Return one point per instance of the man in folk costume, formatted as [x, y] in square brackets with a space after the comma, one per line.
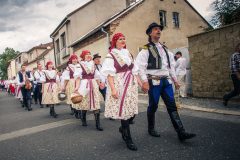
[24, 79]
[157, 72]
[87, 85]
[97, 61]
[60, 80]
[38, 75]
[50, 88]
[181, 71]
[122, 93]
[70, 83]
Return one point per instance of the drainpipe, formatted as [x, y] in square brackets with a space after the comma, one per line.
[54, 53]
[108, 38]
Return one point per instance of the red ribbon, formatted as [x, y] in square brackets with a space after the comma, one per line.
[50, 86]
[126, 84]
[91, 93]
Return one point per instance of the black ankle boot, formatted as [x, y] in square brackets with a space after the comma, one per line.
[126, 135]
[225, 101]
[54, 114]
[51, 111]
[182, 135]
[72, 110]
[84, 121]
[97, 119]
[131, 120]
[77, 114]
[151, 125]
[29, 103]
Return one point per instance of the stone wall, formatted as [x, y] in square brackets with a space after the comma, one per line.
[210, 56]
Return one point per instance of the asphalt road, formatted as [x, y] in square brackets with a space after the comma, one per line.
[36, 136]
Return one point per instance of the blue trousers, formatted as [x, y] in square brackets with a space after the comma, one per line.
[103, 92]
[38, 93]
[165, 90]
[26, 95]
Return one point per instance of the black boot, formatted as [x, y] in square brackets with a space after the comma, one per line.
[131, 120]
[151, 125]
[177, 124]
[54, 114]
[78, 114]
[29, 103]
[22, 104]
[84, 121]
[121, 131]
[51, 111]
[182, 135]
[97, 119]
[126, 135]
[225, 101]
[72, 110]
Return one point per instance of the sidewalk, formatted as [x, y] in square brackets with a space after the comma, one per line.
[203, 104]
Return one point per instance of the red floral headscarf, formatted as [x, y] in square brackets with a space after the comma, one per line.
[72, 57]
[114, 40]
[84, 53]
[48, 63]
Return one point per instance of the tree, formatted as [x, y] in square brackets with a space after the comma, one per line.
[5, 57]
[224, 12]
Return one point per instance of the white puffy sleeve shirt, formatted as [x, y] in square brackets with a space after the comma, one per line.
[108, 64]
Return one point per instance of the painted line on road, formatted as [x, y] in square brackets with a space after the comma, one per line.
[36, 129]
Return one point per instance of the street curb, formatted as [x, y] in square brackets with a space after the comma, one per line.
[202, 109]
[219, 111]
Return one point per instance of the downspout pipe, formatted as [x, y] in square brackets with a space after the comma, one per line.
[56, 65]
[108, 38]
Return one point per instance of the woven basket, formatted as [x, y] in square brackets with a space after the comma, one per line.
[76, 98]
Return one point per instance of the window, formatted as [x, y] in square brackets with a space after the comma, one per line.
[176, 19]
[63, 40]
[163, 20]
[19, 59]
[57, 46]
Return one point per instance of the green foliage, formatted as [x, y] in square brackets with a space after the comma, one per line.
[5, 57]
[223, 12]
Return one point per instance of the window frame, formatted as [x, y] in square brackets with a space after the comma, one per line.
[163, 17]
[176, 19]
[63, 40]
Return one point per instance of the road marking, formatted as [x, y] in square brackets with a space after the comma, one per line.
[36, 129]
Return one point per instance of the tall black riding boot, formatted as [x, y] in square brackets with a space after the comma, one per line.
[177, 123]
[29, 103]
[84, 120]
[54, 114]
[127, 135]
[151, 125]
[97, 119]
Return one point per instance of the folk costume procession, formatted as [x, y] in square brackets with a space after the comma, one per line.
[85, 82]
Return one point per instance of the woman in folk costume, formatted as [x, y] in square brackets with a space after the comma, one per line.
[50, 88]
[122, 93]
[69, 81]
[87, 85]
[18, 94]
